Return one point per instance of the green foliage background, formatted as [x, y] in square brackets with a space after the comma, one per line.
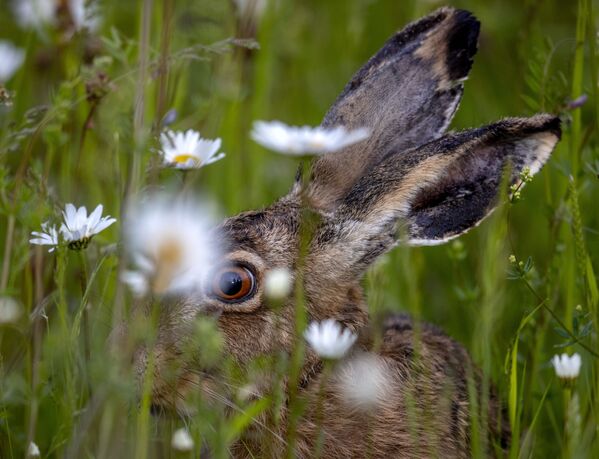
[59, 143]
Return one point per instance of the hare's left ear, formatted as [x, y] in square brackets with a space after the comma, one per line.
[406, 95]
[432, 193]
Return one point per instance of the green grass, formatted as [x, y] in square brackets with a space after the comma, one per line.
[62, 386]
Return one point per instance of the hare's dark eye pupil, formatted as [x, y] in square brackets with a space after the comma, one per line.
[230, 283]
[233, 284]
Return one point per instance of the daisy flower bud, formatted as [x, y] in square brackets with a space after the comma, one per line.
[328, 339]
[567, 367]
[278, 283]
[33, 450]
[182, 441]
[10, 311]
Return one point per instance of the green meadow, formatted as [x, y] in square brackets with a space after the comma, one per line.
[79, 123]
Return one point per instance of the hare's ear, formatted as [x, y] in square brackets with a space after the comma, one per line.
[406, 95]
[432, 193]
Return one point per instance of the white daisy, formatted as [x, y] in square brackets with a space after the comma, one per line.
[167, 240]
[364, 381]
[11, 58]
[35, 13]
[328, 339]
[48, 236]
[78, 229]
[182, 441]
[277, 283]
[187, 150]
[294, 140]
[567, 367]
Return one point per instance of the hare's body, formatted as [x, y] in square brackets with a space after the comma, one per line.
[425, 414]
[407, 183]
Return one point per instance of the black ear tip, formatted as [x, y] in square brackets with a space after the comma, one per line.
[462, 43]
[553, 124]
[543, 122]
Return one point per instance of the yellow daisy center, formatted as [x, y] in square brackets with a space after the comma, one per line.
[168, 260]
[184, 157]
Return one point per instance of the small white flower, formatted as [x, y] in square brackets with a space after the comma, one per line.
[303, 140]
[48, 236]
[277, 283]
[35, 13]
[11, 58]
[328, 339]
[78, 229]
[137, 282]
[84, 14]
[567, 367]
[10, 311]
[364, 381]
[33, 450]
[187, 150]
[168, 242]
[182, 441]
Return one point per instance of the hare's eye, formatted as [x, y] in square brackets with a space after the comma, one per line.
[233, 284]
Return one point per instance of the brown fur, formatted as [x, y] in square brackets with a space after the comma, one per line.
[366, 199]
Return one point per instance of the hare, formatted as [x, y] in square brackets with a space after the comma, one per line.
[408, 183]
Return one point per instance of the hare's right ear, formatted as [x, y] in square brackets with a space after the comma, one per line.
[406, 95]
[428, 195]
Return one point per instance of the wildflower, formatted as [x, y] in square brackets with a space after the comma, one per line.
[277, 283]
[137, 282]
[364, 381]
[295, 140]
[11, 58]
[578, 102]
[169, 117]
[526, 175]
[512, 258]
[78, 229]
[33, 450]
[169, 245]
[567, 367]
[48, 236]
[10, 311]
[187, 150]
[84, 15]
[182, 441]
[328, 339]
[34, 13]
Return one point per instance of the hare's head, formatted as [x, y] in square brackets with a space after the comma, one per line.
[407, 183]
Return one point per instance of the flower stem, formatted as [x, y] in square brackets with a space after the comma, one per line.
[307, 223]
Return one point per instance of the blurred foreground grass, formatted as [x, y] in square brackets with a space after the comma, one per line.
[86, 107]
